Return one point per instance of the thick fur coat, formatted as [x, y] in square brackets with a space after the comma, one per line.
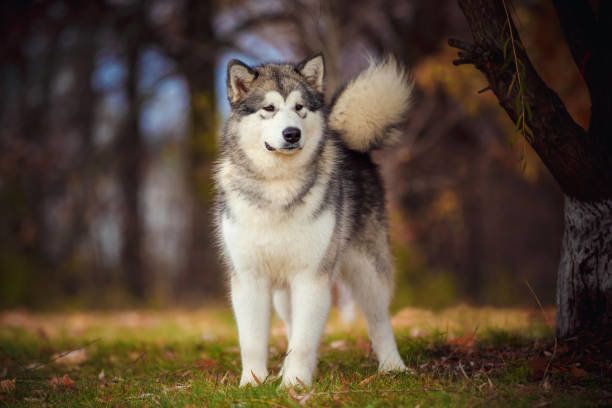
[301, 206]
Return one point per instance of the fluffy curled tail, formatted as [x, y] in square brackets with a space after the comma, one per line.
[378, 99]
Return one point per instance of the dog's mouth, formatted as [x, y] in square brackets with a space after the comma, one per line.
[288, 148]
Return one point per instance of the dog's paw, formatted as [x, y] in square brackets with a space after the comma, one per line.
[250, 377]
[296, 378]
[392, 366]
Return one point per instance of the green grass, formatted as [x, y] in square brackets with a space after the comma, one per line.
[190, 358]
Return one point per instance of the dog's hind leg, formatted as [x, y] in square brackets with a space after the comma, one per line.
[370, 282]
[282, 306]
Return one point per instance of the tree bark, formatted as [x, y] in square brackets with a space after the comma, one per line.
[202, 272]
[584, 281]
[580, 161]
[131, 150]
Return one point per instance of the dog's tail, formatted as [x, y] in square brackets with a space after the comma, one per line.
[365, 111]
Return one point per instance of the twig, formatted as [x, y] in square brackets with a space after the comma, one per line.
[25, 369]
[537, 299]
[463, 371]
[518, 74]
[60, 355]
[140, 357]
[552, 357]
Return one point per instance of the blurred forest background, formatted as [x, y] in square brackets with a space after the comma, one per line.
[109, 118]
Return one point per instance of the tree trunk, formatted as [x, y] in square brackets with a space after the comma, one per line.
[131, 152]
[202, 271]
[580, 161]
[584, 281]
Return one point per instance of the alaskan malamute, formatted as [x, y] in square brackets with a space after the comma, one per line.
[301, 206]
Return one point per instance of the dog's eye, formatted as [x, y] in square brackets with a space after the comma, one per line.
[269, 108]
[298, 107]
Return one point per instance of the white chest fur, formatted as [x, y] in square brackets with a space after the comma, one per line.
[276, 242]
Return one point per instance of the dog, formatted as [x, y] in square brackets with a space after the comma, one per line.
[300, 206]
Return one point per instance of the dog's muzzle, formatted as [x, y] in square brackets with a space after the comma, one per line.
[287, 148]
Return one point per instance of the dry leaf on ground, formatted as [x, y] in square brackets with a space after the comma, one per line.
[205, 364]
[300, 398]
[465, 342]
[7, 386]
[367, 380]
[577, 372]
[64, 382]
[338, 345]
[71, 358]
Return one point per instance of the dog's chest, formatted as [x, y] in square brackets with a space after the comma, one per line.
[275, 242]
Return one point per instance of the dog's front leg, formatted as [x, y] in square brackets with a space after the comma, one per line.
[310, 303]
[251, 300]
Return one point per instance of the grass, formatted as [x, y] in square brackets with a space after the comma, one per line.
[458, 357]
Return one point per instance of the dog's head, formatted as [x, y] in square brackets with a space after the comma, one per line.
[277, 116]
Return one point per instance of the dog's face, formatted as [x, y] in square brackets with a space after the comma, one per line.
[277, 117]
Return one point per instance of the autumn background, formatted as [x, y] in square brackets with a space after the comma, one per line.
[110, 116]
[110, 113]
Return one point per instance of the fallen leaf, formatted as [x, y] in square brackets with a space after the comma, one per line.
[170, 355]
[71, 358]
[34, 366]
[577, 372]
[338, 345]
[562, 348]
[293, 394]
[7, 386]
[257, 380]
[176, 387]
[224, 378]
[300, 398]
[538, 366]
[34, 399]
[306, 397]
[64, 382]
[136, 356]
[205, 364]
[302, 383]
[367, 380]
[465, 342]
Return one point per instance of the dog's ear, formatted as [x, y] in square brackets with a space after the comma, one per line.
[239, 79]
[313, 69]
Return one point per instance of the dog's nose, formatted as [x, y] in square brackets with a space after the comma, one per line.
[291, 134]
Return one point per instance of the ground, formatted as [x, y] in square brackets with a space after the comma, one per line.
[457, 357]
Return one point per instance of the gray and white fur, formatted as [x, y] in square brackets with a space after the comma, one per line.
[301, 206]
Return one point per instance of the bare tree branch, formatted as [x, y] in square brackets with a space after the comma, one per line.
[576, 161]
